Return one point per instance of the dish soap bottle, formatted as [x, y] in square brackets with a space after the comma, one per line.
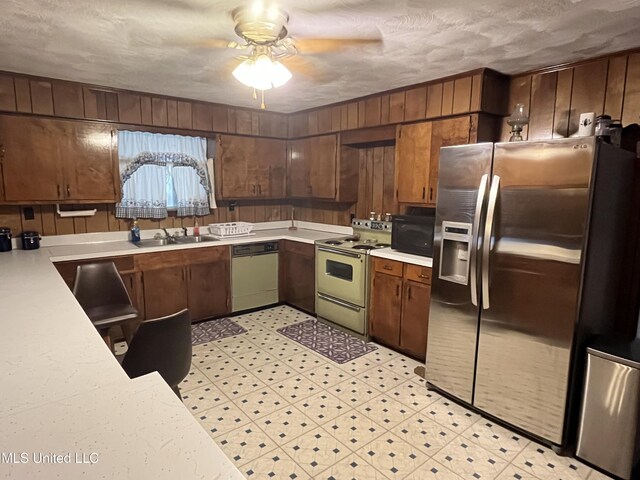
[196, 229]
[135, 231]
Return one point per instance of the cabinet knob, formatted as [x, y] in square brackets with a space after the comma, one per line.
[424, 191]
[387, 267]
[68, 191]
[58, 188]
[397, 290]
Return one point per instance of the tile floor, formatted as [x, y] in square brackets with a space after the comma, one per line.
[281, 411]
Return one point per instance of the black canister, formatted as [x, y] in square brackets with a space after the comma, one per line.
[5, 239]
[30, 240]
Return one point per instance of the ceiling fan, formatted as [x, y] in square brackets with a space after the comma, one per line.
[265, 40]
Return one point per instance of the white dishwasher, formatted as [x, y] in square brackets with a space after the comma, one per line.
[254, 275]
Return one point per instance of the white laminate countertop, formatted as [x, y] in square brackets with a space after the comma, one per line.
[403, 257]
[149, 434]
[63, 390]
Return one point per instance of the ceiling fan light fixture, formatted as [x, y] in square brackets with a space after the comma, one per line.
[262, 73]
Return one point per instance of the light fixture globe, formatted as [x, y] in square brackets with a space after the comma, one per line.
[262, 73]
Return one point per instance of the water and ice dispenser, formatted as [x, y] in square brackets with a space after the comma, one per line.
[455, 250]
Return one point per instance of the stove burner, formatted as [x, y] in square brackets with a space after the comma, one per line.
[382, 245]
[352, 239]
[333, 242]
[363, 247]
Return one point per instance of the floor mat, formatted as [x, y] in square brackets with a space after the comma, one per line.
[328, 341]
[214, 330]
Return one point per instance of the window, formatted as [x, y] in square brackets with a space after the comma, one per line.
[163, 172]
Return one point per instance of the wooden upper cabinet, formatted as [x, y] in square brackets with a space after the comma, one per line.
[413, 150]
[319, 167]
[251, 167]
[445, 133]
[418, 156]
[312, 167]
[58, 161]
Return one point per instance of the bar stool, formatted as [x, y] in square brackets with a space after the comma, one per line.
[161, 345]
[101, 293]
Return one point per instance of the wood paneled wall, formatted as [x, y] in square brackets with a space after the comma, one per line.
[40, 96]
[557, 97]
[48, 222]
[476, 91]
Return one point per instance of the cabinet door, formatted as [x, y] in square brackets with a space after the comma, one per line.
[452, 131]
[252, 167]
[271, 160]
[165, 291]
[413, 150]
[299, 169]
[31, 158]
[298, 276]
[312, 167]
[236, 157]
[209, 293]
[89, 162]
[385, 308]
[323, 155]
[132, 282]
[415, 318]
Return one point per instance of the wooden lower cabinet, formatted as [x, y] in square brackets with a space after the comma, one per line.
[197, 279]
[165, 291]
[208, 295]
[298, 275]
[399, 306]
[164, 283]
[386, 309]
[415, 316]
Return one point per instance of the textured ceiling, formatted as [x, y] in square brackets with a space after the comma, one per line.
[140, 44]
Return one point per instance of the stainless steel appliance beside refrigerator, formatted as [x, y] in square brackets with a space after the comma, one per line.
[527, 249]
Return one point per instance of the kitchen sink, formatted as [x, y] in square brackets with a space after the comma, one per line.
[155, 242]
[198, 239]
[160, 242]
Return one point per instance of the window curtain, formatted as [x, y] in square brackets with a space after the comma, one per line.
[180, 159]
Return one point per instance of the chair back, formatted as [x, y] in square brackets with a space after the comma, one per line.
[99, 284]
[162, 345]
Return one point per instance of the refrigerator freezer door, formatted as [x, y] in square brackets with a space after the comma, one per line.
[453, 318]
[526, 334]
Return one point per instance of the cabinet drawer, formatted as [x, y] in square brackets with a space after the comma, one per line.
[390, 267]
[417, 273]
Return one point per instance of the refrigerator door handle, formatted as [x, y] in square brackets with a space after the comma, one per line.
[482, 190]
[486, 247]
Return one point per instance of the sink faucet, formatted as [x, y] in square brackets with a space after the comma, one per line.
[167, 235]
[184, 229]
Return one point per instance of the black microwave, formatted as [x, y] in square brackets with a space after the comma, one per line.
[413, 234]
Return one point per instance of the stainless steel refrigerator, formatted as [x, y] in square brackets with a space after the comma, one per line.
[527, 253]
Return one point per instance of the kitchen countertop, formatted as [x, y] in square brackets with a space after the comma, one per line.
[54, 366]
[402, 257]
[64, 391]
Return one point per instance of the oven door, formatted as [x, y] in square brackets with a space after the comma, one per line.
[341, 274]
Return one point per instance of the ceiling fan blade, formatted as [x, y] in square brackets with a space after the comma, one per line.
[300, 66]
[213, 43]
[325, 45]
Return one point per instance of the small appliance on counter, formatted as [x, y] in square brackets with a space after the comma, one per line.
[413, 233]
[5, 239]
[30, 240]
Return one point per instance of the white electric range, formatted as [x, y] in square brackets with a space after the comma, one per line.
[342, 274]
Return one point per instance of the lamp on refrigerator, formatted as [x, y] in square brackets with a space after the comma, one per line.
[517, 120]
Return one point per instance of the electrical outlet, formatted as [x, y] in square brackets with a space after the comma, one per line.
[28, 214]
